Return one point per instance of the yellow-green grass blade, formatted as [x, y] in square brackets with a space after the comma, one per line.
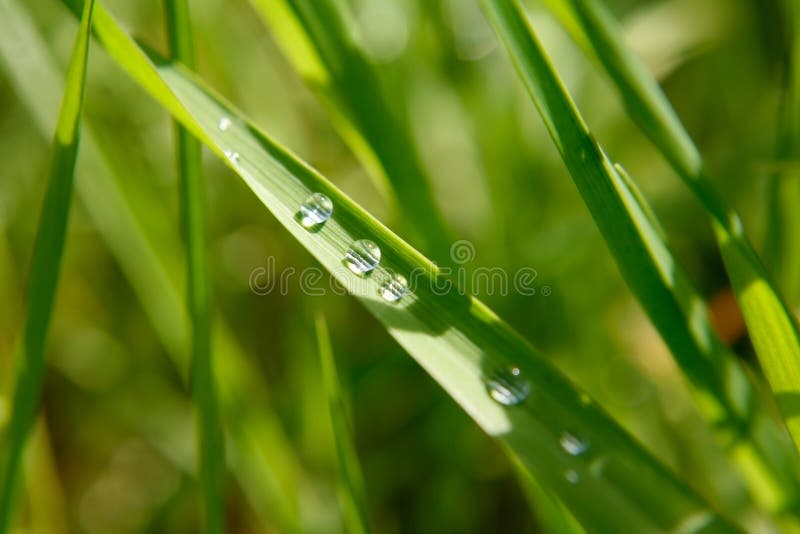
[772, 327]
[317, 38]
[462, 344]
[351, 483]
[261, 457]
[211, 442]
[44, 270]
[638, 245]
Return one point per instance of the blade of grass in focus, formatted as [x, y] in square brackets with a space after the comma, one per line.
[261, 456]
[211, 442]
[317, 37]
[44, 270]
[773, 328]
[639, 247]
[351, 483]
[470, 352]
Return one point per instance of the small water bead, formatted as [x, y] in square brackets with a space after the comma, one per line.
[508, 386]
[362, 257]
[573, 445]
[394, 287]
[572, 476]
[315, 210]
[224, 123]
[232, 156]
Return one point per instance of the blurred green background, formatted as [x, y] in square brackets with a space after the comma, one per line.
[114, 448]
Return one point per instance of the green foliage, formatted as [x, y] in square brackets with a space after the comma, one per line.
[45, 269]
[640, 248]
[456, 339]
[211, 444]
[602, 434]
[772, 326]
[351, 483]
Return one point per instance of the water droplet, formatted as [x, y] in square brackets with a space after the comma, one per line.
[573, 445]
[232, 156]
[315, 210]
[394, 287]
[362, 257]
[224, 123]
[508, 386]
[572, 476]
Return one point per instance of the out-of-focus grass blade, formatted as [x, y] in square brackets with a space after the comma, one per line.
[472, 353]
[261, 457]
[211, 442]
[551, 515]
[640, 250]
[773, 328]
[780, 251]
[351, 483]
[317, 38]
[45, 268]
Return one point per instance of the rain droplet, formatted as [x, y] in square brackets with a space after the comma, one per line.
[573, 445]
[394, 287]
[572, 476]
[508, 386]
[232, 156]
[315, 210]
[362, 257]
[224, 123]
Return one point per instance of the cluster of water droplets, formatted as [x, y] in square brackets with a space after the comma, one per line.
[363, 256]
[509, 387]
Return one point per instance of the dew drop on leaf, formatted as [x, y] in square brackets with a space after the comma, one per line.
[573, 444]
[394, 287]
[315, 210]
[362, 257]
[508, 386]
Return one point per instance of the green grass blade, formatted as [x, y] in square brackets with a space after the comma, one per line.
[455, 338]
[351, 484]
[261, 456]
[638, 245]
[317, 38]
[211, 442]
[780, 254]
[45, 268]
[773, 328]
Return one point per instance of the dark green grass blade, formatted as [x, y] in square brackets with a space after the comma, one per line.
[773, 328]
[211, 443]
[781, 252]
[261, 456]
[45, 268]
[639, 248]
[316, 36]
[351, 484]
[454, 337]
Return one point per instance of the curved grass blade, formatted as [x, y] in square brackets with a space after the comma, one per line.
[773, 328]
[639, 247]
[317, 38]
[211, 442]
[475, 356]
[45, 269]
[261, 457]
[351, 484]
